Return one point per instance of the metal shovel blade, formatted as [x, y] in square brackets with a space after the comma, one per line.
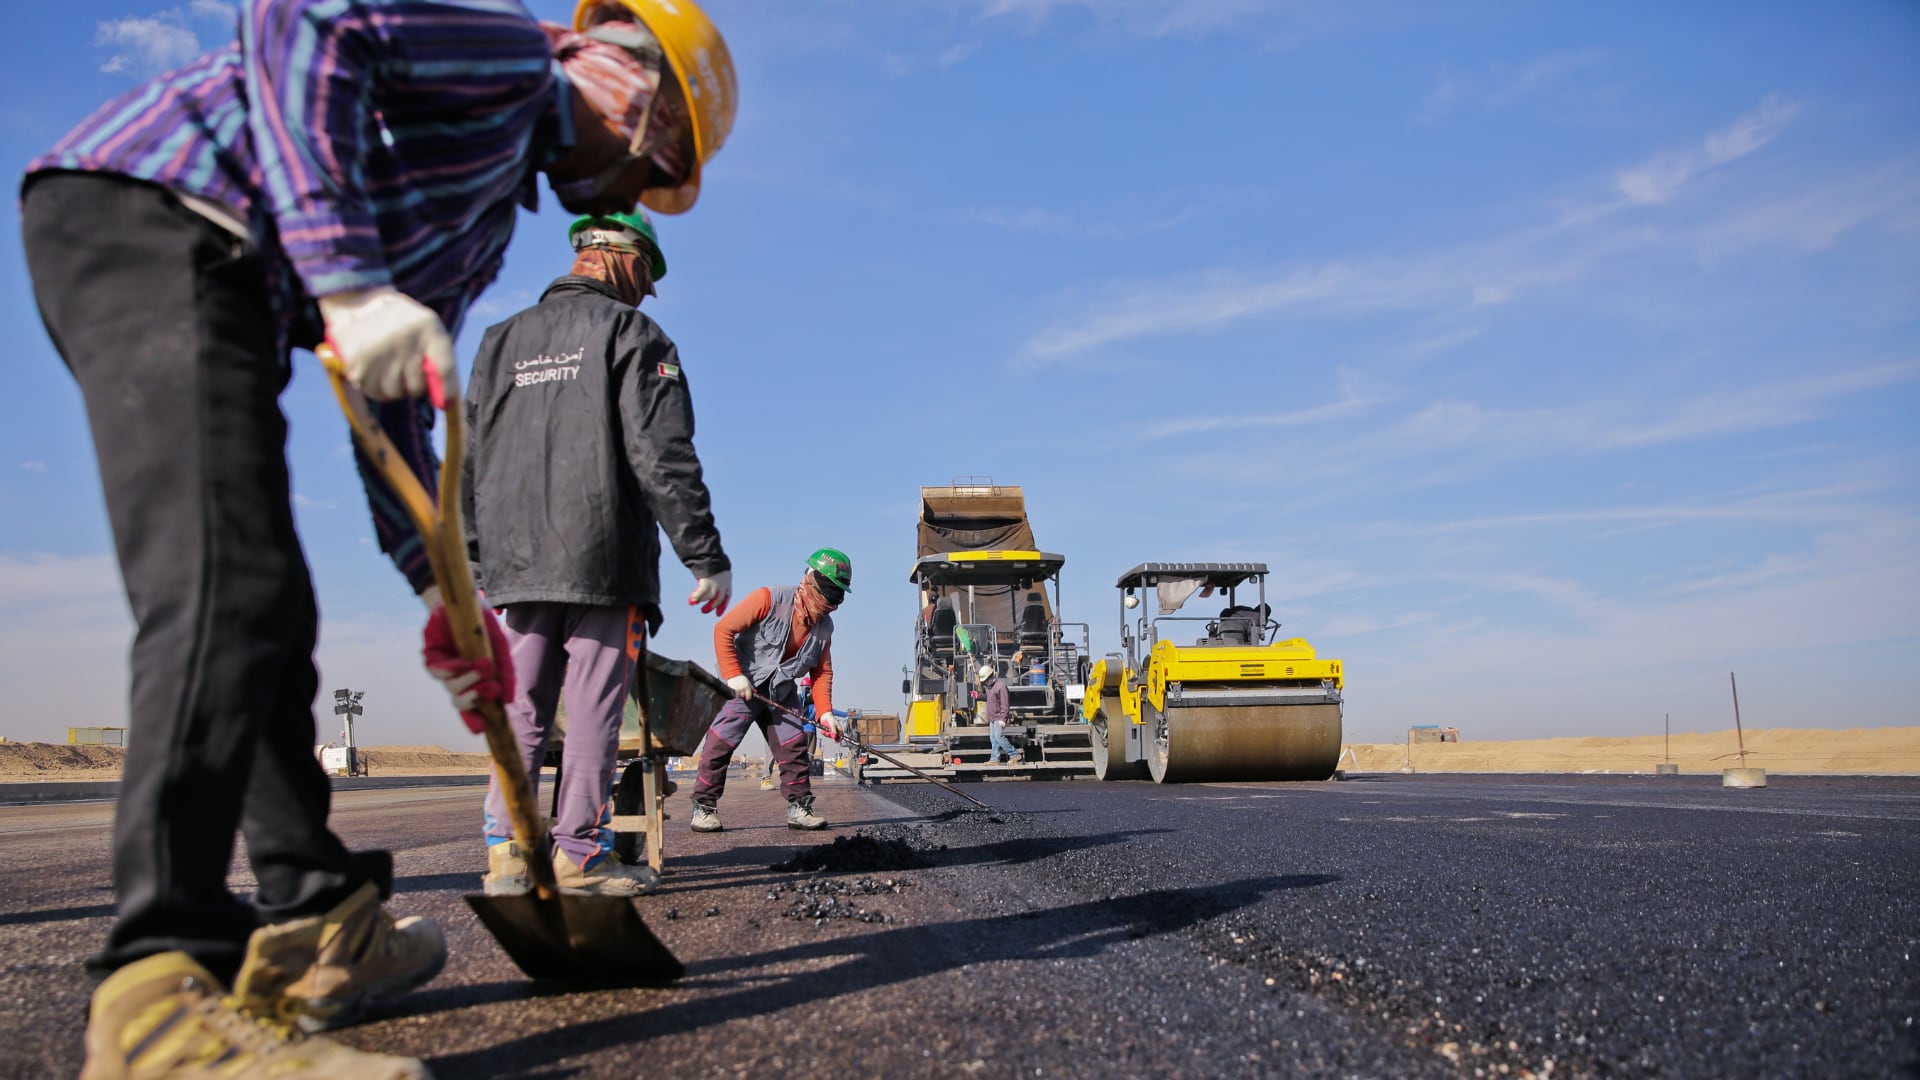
[569, 938]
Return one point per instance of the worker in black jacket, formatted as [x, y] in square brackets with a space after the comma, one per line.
[581, 430]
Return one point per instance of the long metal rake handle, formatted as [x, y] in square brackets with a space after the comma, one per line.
[888, 758]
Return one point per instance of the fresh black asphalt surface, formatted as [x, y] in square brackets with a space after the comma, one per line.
[1376, 927]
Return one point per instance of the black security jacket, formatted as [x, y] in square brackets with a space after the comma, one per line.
[580, 438]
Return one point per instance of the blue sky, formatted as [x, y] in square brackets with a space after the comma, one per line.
[1558, 361]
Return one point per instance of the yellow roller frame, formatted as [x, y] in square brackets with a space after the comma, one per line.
[1290, 659]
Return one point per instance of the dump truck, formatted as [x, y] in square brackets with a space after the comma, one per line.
[983, 587]
[1238, 703]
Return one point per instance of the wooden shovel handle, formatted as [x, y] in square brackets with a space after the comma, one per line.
[443, 536]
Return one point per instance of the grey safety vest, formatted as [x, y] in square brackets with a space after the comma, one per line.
[760, 646]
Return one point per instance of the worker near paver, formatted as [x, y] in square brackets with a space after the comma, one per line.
[764, 647]
[580, 436]
[993, 699]
[347, 172]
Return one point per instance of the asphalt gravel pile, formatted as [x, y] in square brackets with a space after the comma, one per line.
[863, 852]
[824, 900]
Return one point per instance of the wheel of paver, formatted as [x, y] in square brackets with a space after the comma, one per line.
[1247, 742]
[1109, 734]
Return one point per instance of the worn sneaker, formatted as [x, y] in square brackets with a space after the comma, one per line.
[705, 818]
[800, 815]
[331, 966]
[506, 870]
[164, 1018]
[609, 877]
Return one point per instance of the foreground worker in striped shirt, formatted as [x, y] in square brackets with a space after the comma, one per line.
[346, 171]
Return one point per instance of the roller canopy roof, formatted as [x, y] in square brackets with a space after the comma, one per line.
[985, 567]
[1220, 575]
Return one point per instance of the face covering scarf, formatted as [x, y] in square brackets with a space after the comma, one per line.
[617, 68]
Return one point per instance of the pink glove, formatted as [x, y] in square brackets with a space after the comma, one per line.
[468, 682]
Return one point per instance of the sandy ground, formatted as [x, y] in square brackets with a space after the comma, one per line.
[1872, 751]
[25, 762]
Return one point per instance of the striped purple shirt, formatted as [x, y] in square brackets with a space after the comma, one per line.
[364, 142]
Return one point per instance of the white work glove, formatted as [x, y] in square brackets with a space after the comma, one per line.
[717, 591]
[741, 686]
[825, 722]
[387, 341]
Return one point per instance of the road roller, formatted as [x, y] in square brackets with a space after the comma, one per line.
[1238, 703]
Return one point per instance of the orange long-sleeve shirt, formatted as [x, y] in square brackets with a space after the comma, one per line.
[758, 605]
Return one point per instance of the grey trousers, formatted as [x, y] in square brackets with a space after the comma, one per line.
[579, 654]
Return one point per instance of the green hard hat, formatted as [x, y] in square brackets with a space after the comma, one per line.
[638, 222]
[833, 564]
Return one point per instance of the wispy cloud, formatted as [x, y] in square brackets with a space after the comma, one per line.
[494, 306]
[1769, 405]
[1479, 274]
[1353, 403]
[1816, 220]
[1826, 505]
[1471, 276]
[63, 628]
[149, 44]
[1501, 86]
[901, 65]
[1054, 223]
[1355, 625]
[33, 466]
[1627, 655]
[1661, 177]
[1143, 18]
[1611, 426]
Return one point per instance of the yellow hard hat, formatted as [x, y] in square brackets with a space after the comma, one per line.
[701, 65]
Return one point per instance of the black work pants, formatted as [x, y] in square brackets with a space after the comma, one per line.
[164, 321]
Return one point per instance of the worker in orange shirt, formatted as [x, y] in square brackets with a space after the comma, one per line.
[765, 646]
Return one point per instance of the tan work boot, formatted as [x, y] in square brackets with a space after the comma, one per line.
[609, 877]
[705, 818]
[331, 966]
[506, 870]
[163, 1018]
[800, 815]
[768, 782]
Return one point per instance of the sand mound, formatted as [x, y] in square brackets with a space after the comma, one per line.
[405, 760]
[22, 762]
[36, 761]
[1857, 751]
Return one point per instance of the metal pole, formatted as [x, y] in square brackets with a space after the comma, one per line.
[1738, 734]
[854, 740]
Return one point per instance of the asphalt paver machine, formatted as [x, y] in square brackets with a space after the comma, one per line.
[985, 600]
[1237, 703]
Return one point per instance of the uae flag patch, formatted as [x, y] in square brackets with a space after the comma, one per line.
[670, 371]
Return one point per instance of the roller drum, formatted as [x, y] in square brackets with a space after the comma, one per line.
[1109, 737]
[1244, 742]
